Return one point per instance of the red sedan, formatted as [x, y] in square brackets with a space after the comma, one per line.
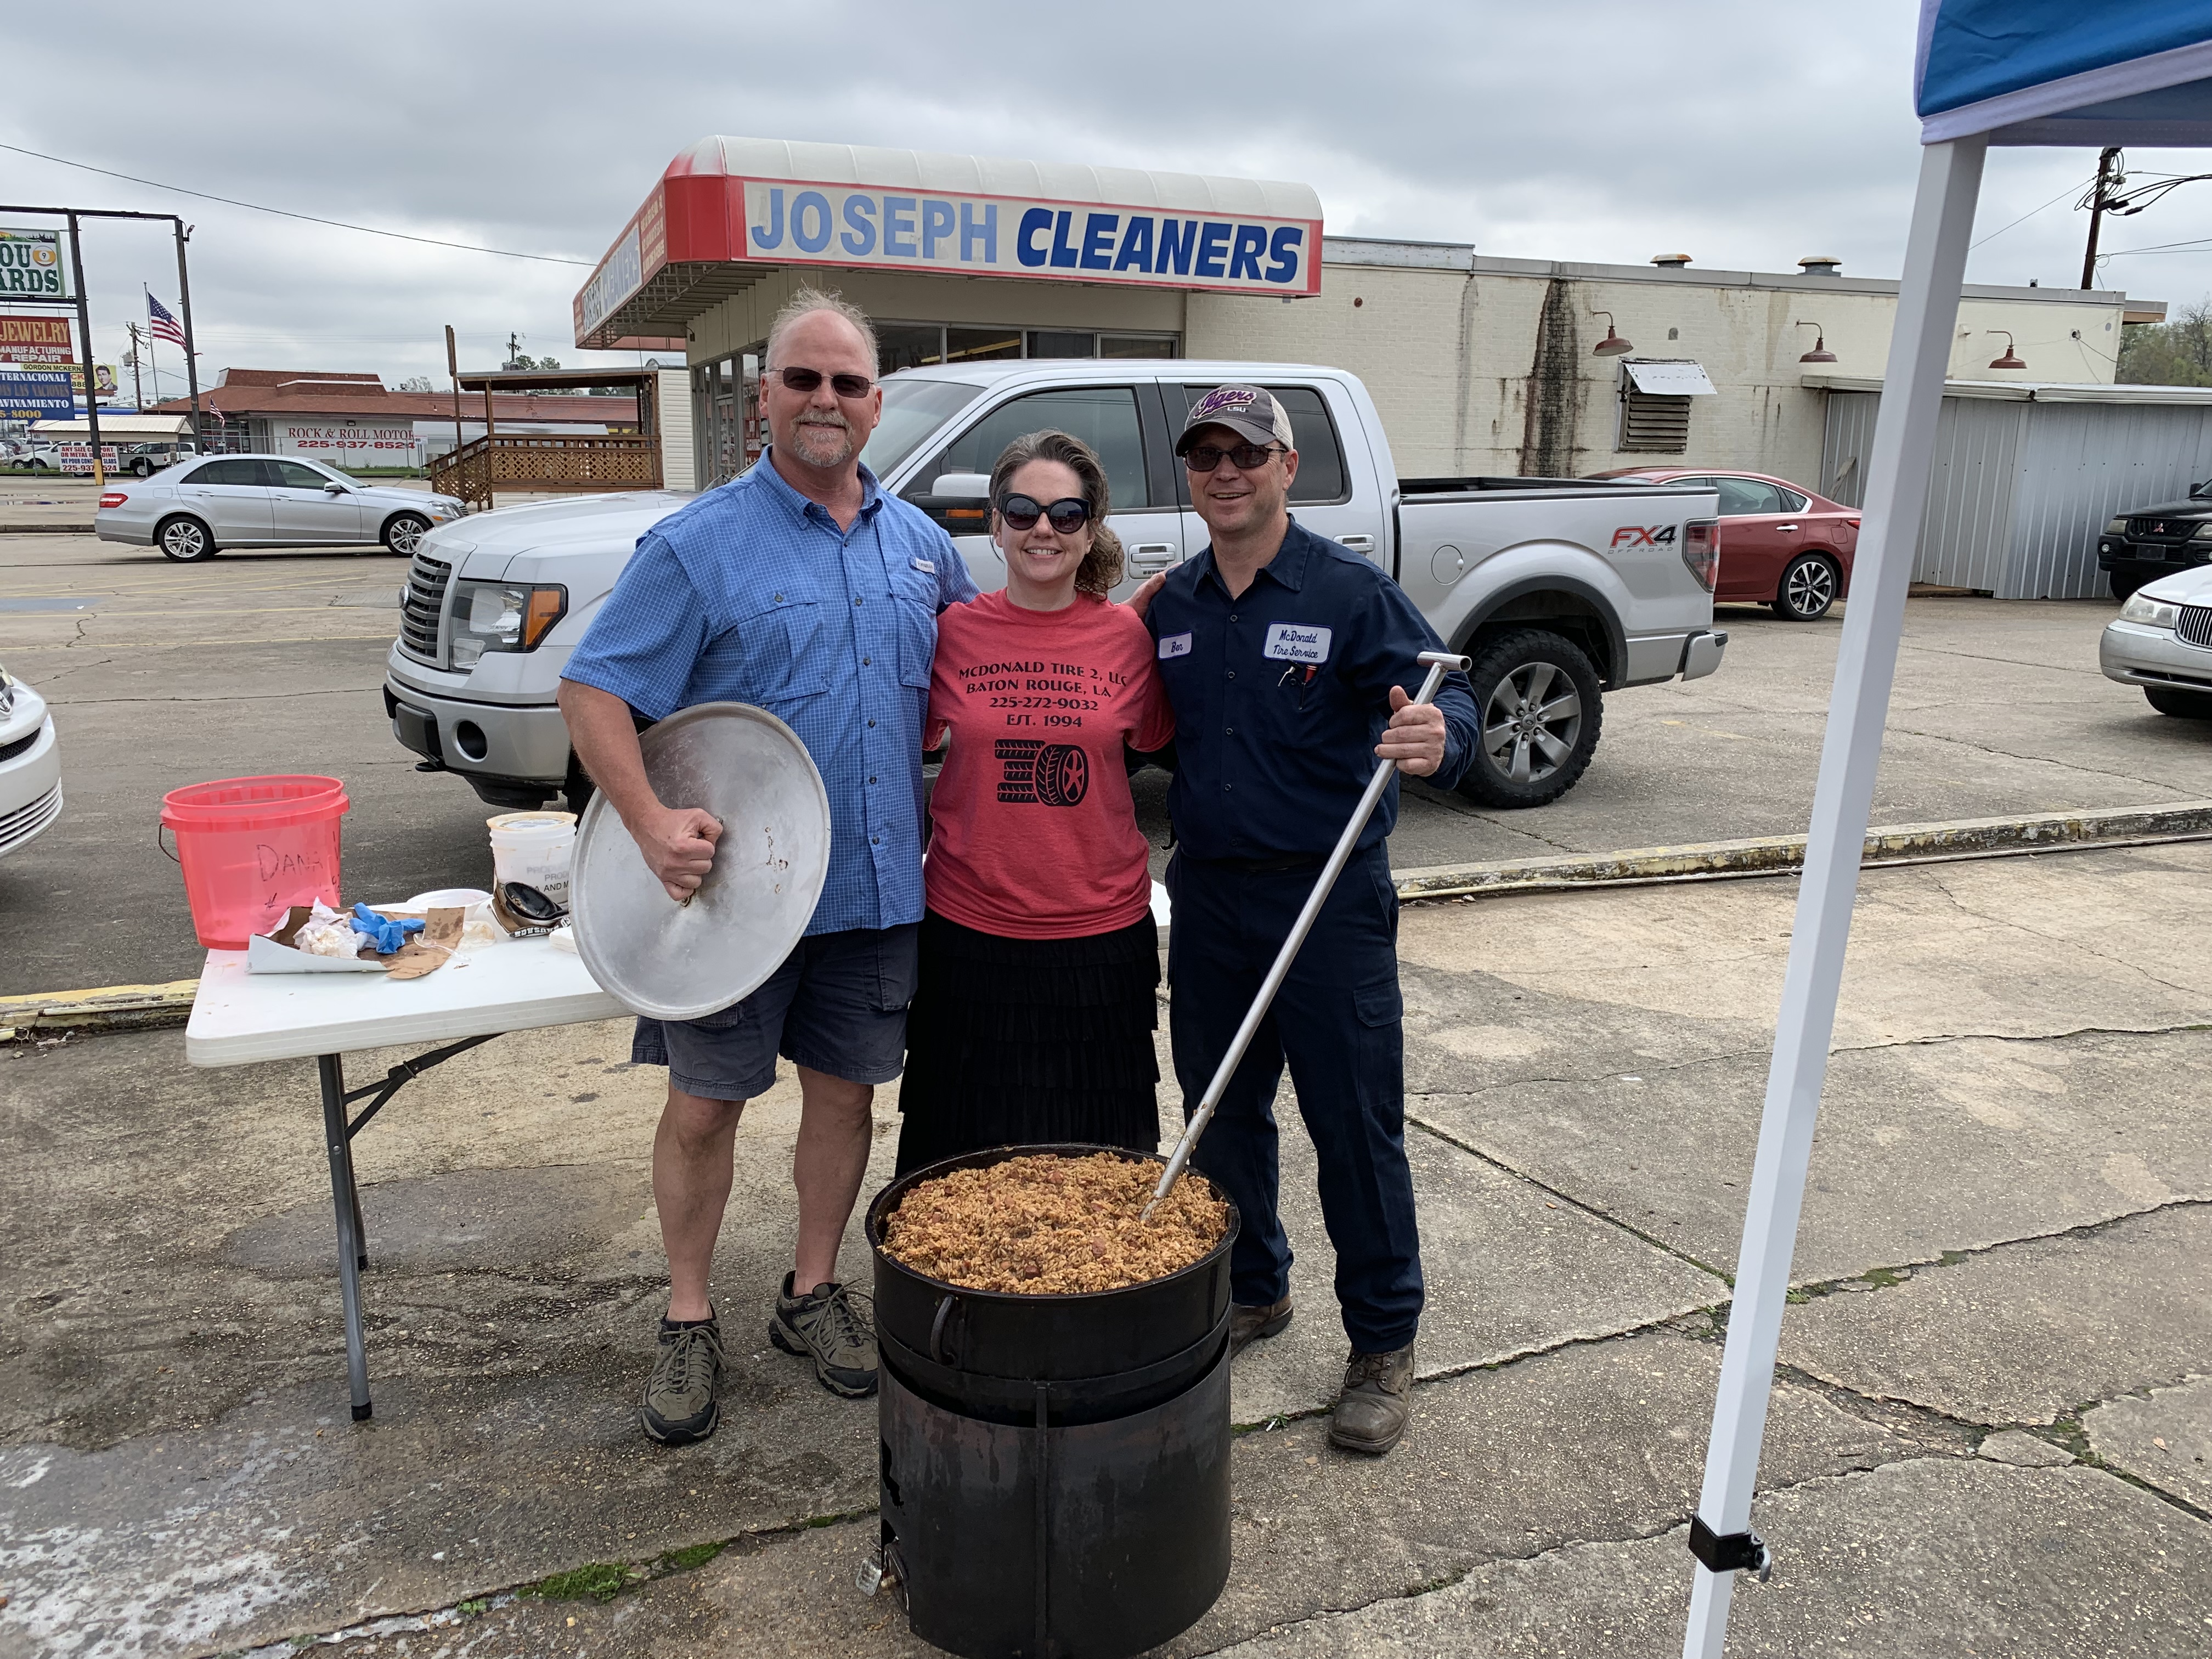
[1780, 545]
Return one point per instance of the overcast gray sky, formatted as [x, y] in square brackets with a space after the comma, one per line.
[1745, 134]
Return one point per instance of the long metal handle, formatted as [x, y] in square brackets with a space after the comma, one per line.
[1438, 663]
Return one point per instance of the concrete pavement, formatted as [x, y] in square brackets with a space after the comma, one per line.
[1993, 1396]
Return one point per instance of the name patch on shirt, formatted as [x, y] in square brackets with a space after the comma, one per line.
[929, 565]
[1174, 645]
[1294, 643]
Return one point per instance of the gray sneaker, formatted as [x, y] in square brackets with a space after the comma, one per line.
[680, 1396]
[835, 1326]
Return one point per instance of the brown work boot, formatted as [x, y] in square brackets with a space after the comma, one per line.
[1377, 1403]
[1247, 1324]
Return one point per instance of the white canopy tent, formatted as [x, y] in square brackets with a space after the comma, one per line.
[2039, 72]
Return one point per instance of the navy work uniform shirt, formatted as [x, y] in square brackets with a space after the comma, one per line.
[1281, 694]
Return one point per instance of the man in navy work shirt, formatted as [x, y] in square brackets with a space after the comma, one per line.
[801, 588]
[1291, 663]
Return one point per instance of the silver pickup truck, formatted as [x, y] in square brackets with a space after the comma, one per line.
[1560, 590]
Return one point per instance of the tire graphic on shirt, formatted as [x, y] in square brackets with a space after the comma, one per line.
[1044, 774]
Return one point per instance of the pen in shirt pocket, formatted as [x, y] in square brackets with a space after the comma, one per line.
[1305, 679]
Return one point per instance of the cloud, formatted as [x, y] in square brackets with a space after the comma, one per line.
[1747, 135]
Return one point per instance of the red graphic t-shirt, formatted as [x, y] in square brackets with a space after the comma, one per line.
[1034, 834]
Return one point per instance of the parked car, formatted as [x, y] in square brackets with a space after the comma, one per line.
[2151, 542]
[2162, 642]
[1559, 589]
[1781, 546]
[144, 460]
[30, 765]
[196, 508]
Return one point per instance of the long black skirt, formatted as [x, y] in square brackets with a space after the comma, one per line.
[1021, 1040]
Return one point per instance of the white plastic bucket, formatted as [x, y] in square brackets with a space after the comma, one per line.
[534, 849]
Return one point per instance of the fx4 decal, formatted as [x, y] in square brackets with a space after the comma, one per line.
[1632, 535]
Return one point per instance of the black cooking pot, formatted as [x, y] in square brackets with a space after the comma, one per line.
[1135, 1345]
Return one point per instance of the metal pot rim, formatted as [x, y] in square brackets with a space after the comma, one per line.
[882, 1205]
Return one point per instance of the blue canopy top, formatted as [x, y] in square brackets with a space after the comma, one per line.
[2090, 72]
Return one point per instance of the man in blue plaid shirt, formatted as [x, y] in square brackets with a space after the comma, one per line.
[802, 588]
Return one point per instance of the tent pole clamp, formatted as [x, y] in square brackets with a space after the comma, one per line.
[1734, 1551]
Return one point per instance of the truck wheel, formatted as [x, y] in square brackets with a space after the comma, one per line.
[1808, 588]
[1536, 697]
[184, 539]
[2123, 587]
[2187, 705]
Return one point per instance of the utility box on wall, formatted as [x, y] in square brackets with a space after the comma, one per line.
[2026, 475]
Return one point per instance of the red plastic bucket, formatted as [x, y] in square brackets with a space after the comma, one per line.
[251, 849]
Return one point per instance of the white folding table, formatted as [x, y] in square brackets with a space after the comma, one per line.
[239, 1018]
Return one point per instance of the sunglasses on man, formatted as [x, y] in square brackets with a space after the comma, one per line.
[1250, 457]
[1066, 516]
[807, 380]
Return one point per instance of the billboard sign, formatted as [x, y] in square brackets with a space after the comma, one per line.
[31, 264]
[30, 340]
[34, 394]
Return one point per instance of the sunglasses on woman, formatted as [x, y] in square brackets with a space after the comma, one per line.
[1066, 516]
[806, 380]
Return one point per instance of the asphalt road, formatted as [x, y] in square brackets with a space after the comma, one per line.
[169, 674]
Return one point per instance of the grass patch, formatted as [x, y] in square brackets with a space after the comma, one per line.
[688, 1559]
[475, 1608]
[599, 1581]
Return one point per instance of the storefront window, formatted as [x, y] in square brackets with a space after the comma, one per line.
[1060, 343]
[905, 345]
[982, 345]
[1136, 345]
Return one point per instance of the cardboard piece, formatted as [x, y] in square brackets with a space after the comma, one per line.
[425, 953]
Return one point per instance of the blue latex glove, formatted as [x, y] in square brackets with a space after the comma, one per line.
[387, 936]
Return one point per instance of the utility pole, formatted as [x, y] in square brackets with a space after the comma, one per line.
[138, 386]
[513, 349]
[192, 357]
[2100, 197]
[91, 374]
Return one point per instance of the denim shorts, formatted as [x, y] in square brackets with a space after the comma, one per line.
[837, 1005]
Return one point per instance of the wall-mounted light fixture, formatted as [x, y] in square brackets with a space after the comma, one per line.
[1819, 353]
[1612, 345]
[2011, 358]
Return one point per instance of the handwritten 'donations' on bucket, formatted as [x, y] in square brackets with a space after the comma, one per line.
[253, 847]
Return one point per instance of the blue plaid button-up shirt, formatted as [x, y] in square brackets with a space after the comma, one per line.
[751, 593]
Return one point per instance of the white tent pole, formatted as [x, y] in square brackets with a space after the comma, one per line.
[1897, 490]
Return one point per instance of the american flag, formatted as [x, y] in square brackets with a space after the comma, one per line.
[164, 326]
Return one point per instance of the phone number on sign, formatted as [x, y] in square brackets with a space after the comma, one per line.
[1043, 702]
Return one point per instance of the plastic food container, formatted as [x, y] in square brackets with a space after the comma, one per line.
[253, 847]
[535, 848]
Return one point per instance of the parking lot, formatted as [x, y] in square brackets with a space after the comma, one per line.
[163, 675]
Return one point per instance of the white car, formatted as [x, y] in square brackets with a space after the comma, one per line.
[2162, 642]
[194, 510]
[30, 765]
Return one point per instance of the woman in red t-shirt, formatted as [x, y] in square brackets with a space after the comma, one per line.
[1033, 1019]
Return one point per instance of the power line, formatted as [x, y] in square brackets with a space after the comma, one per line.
[2025, 216]
[285, 213]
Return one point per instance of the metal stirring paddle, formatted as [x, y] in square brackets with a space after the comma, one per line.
[1438, 663]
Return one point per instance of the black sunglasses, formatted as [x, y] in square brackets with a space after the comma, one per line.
[806, 380]
[1066, 516]
[1250, 457]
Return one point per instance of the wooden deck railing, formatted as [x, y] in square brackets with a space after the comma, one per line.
[545, 462]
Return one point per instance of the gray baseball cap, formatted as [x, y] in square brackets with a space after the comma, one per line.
[1250, 412]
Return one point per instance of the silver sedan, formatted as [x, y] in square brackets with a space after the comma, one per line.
[192, 510]
[2162, 642]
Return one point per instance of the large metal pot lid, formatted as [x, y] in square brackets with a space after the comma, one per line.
[672, 961]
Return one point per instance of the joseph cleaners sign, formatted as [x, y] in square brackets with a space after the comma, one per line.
[979, 235]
